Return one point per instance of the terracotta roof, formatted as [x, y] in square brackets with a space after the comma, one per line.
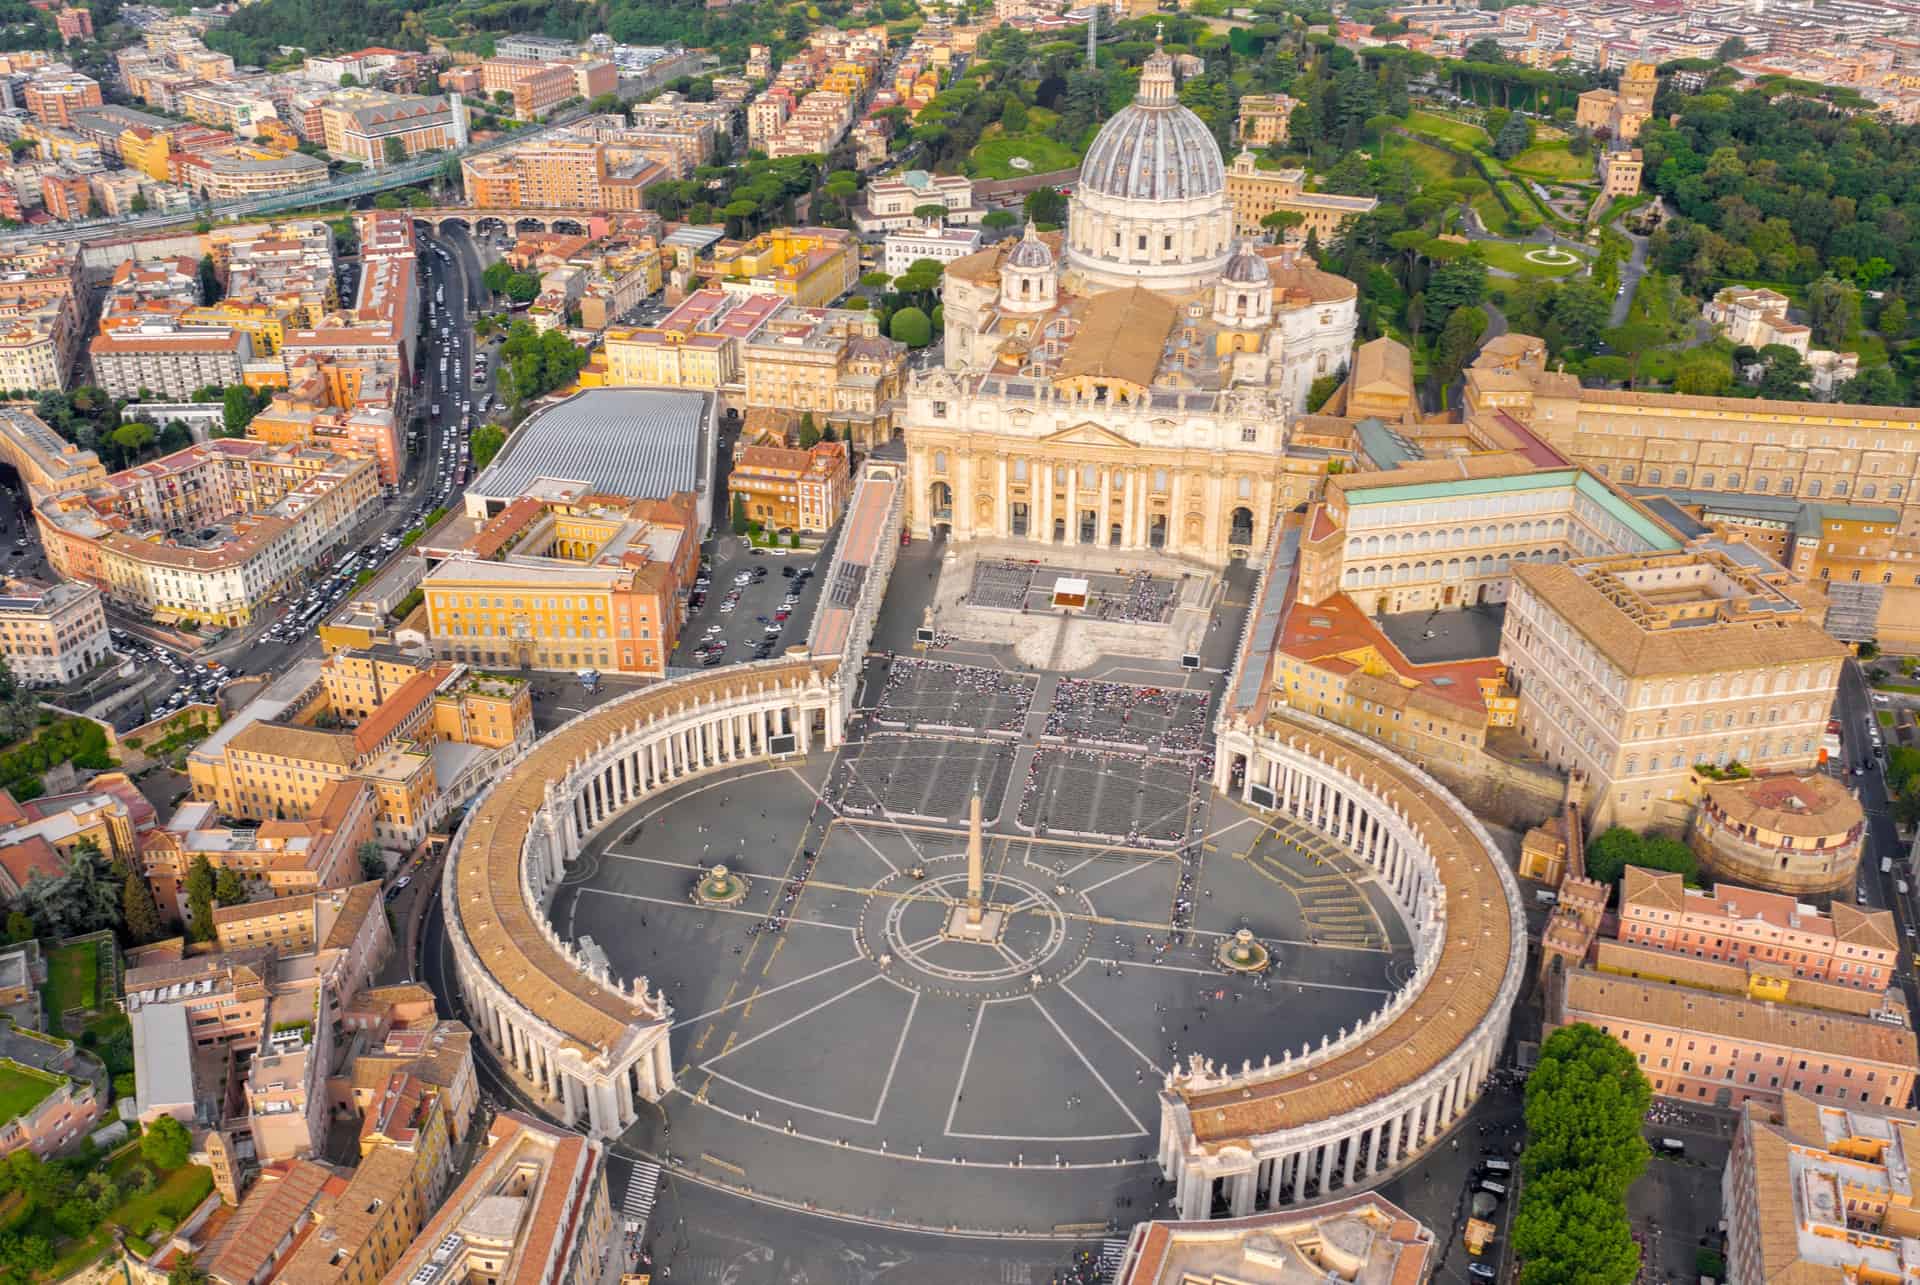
[1122, 336]
[509, 940]
[1638, 653]
[283, 1195]
[281, 740]
[360, 901]
[1383, 361]
[1465, 984]
[1658, 889]
[1810, 805]
[1597, 997]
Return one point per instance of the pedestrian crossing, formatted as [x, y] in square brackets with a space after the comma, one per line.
[642, 1187]
[1108, 1260]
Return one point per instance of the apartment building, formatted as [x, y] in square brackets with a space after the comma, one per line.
[337, 406]
[1256, 192]
[1845, 946]
[1634, 669]
[792, 490]
[46, 461]
[426, 748]
[359, 124]
[285, 857]
[533, 1210]
[208, 533]
[53, 97]
[1724, 451]
[52, 634]
[1820, 1192]
[830, 362]
[39, 315]
[167, 359]
[1702, 1046]
[238, 170]
[562, 580]
[1264, 119]
[561, 172]
[436, 1053]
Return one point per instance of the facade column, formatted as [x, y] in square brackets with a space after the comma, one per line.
[1073, 503]
[1130, 536]
[1196, 1195]
[1245, 1186]
[662, 1069]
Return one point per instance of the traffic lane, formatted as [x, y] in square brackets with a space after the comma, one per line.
[741, 627]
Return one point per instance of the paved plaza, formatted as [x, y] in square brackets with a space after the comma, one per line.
[1137, 597]
[840, 1049]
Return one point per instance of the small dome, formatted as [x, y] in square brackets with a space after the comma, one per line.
[1031, 254]
[1247, 267]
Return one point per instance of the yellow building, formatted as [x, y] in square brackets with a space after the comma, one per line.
[810, 266]
[147, 150]
[1264, 119]
[265, 322]
[1255, 193]
[792, 490]
[697, 345]
[1620, 172]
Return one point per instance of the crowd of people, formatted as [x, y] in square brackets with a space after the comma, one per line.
[1143, 829]
[1164, 719]
[932, 693]
[1146, 600]
[924, 784]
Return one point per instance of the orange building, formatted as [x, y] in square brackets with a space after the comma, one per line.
[792, 489]
[67, 196]
[52, 99]
[1847, 946]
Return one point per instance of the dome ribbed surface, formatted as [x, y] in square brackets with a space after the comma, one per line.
[1031, 253]
[1246, 267]
[1154, 153]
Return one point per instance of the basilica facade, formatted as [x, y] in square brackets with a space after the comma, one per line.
[1128, 384]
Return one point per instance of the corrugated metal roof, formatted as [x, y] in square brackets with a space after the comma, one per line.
[643, 443]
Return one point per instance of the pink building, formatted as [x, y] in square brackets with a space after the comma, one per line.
[1847, 947]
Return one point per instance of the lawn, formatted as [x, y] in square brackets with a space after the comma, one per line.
[1493, 214]
[1884, 717]
[993, 157]
[1526, 211]
[1457, 132]
[1513, 258]
[22, 1088]
[73, 980]
[1553, 162]
[1432, 164]
[173, 1196]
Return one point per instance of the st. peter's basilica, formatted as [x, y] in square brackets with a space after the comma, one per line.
[1129, 384]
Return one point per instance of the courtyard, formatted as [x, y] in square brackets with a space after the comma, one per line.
[841, 1046]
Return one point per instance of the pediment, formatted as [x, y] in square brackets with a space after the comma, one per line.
[1087, 433]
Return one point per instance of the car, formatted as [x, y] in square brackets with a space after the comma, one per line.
[712, 660]
[1482, 1272]
[726, 608]
[714, 629]
[781, 616]
[402, 881]
[771, 629]
[1880, 698]
[788, 571]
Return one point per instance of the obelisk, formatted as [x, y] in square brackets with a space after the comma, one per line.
[976, 864]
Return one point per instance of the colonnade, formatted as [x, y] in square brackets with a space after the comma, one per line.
[1380, 809]
[578, 779]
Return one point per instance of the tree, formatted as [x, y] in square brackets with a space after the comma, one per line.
[134, 437]
[19, 927]
[1485, 49]
[1703, 375]
[1874, 386]
[1616, 848]
[186, 1272]
[200, 881]
[523, 287]
[1280, 222]
[496, 276]
[210, 288]
[1892, 322]
[1730, 48]
[911, 327]
[1586, 1103]
[1785, 375]
[1013, 113]
[348, 80]
[741, 522]
[1322, 388]
[998, 220]
[1046, 207]
[1459, 338]
[394, 150]
[931, 212]
[138, 911]
[166, 1143]
[486, 443]
[228, 888]
[809, 432]
[373, 863]
[1460, 283]
[237, 410]
[1834, 306]
[1515, 137]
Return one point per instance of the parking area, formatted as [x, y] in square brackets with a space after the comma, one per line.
[1675, 1210]
[746, 616]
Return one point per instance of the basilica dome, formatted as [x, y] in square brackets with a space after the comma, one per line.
[1151, 208]
[1154, 149]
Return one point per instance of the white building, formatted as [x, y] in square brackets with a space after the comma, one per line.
[52, 634]
[942, 245]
